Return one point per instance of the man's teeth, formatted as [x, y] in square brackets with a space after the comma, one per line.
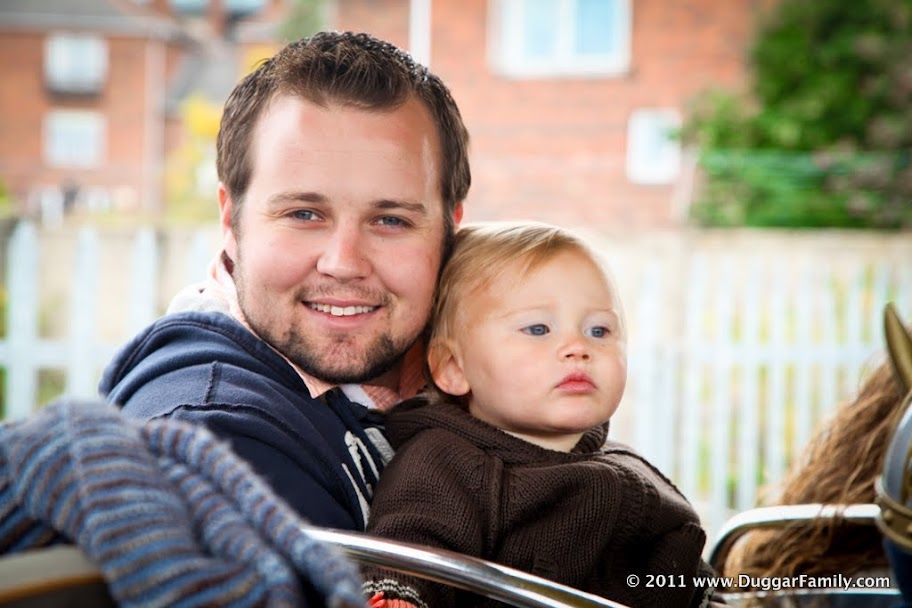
[339, 311]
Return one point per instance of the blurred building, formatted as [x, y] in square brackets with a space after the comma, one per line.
[569, 102]
[90, 102]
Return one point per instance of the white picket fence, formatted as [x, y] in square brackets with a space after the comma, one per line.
[31, 265]
[740, 342]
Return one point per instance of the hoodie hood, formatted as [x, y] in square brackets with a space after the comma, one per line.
[162, 352]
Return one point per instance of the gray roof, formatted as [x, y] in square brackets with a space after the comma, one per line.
[255, 30]
[209, 69]
[110, 16]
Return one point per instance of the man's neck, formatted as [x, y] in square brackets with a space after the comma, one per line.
[390, 379]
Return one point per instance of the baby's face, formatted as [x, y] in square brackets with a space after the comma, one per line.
[544, 355]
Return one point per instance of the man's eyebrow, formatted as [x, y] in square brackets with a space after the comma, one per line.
[283, 198]
[388, 203]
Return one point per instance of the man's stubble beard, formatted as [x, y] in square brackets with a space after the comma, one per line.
[326, 362]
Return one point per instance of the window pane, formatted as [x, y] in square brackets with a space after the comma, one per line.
[541, 38]
[74, 139]
[76, 63]
[540, 21]
[232, 6]
[653, 155]
[598, 27]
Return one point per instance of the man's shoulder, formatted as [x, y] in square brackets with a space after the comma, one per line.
[206, 368]
[192, 333]
[194, 358]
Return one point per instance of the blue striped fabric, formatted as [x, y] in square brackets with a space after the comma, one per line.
[168, 513]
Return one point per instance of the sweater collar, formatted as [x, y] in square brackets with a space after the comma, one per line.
[415, 415]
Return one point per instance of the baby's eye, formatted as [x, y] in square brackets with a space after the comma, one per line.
[599, 331]
[538, 329]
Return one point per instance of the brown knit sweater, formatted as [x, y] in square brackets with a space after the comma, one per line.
[587, 518]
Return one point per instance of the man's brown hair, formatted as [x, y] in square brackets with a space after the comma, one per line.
[352, 69]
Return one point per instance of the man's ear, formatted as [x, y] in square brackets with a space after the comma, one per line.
[447, 370]
[226, 208]
[457, 214]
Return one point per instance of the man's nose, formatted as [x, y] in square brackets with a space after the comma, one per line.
[344, 257]
[574, 346]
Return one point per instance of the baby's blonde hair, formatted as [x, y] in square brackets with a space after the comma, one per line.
[483, 251]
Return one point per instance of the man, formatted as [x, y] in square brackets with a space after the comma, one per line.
[342, 168]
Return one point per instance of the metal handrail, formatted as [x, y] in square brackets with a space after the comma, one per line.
[781, 516]
[463, 572]
[471, 574]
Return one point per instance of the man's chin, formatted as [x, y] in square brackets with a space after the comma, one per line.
[343, 368]
[346, 374]
[343, 359]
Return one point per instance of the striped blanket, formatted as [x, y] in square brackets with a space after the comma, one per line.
[168, 513]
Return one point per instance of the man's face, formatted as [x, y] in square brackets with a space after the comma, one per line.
[340, 235]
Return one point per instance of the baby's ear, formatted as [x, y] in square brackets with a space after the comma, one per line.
[446, 369]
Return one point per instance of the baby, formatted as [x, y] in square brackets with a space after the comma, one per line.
[507, 459]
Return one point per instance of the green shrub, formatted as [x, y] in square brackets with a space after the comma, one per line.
[824, 136]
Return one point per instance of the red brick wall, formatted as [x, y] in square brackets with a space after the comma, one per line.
[554, 149]
[22, 106]
[386, 19]
[24, 103]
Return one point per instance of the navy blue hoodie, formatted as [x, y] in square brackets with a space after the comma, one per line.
[320, 454]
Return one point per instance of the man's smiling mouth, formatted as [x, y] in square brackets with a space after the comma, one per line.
[341, 311]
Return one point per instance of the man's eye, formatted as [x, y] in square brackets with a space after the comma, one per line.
[304, 214]
[392, 221]
[539, 329]
[599, 331]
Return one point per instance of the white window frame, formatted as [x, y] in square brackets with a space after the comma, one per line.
[75, 138]
[651, 161]
[75, 63]
[506, 37]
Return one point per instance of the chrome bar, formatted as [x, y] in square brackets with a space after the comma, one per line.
[471, 574]
[463, 572]
[781, 516]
